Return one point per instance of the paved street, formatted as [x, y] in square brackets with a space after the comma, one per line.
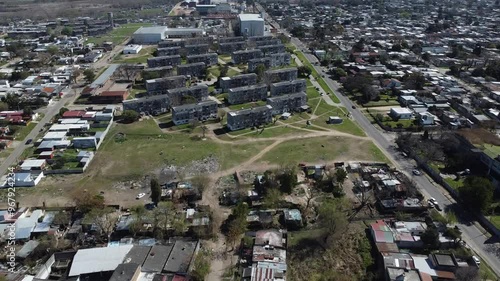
[472, 233]
[50, 111]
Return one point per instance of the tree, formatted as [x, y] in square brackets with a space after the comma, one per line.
[223, 71]
[430, 238]
[204, 130]
[130, 116]
[89, 75]
[260, 70]
[4, 106]
[75, 74]
[477, 192]
[340, 176]
[288, 179]
[426, 56]
[53, 50]
[126, 72]
[67, 30]
[201, 267]
[155, 191]
[332, 218]
[62, 218]
[467, 273]
[104, 218]
[272, 198]
[62, 110]
[478, 72]
[19, 75]
[477, 50]
[27, 111]
[415, 81]
[85, 201]
[304, 71]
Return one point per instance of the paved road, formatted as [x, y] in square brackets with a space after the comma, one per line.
[472, 233]
[50, 111]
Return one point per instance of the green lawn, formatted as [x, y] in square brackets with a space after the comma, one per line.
[381, 102]
[136, 88]
[312, 93]
[495, 220]
[117, 35]
[225, 58]
[394, 124]
[347, 126]
[214, 71]
[309, 83]
[453, 183]
[231, 72]
[23, 131]
[323, 149]
[142, 57]
[144, 148]
[491, 150]
[294, 237]
[246, 105]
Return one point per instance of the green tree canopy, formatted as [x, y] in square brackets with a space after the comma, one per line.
[477, 192]
[130, 116]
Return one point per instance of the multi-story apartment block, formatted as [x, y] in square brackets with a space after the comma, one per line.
[247, 94]
[278, 75]
[196, 49]
[169, 51]
[164, 61]
[243, 56]
[267, 42]
[231, 39]
[198, 40]
[192, 69]
[201, 111]
[287, 103]
[228, 48]
[168, 44]
[153, 105]
[288, 87]
[209, 59]
[163, 71]
[160, 86]
[249, 118]
[271, 49]
[272, 60]
[261, 38]
[238, 81]
[185, 95]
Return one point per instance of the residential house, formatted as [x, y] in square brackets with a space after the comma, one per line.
[426, 118]
[201, 111]
[247, 94]
[401, 113]
[249, 118]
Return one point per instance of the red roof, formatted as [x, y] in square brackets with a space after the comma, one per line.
[11, 113]
[122, 94]
[73, 113]
[179, 278]
[48, 89]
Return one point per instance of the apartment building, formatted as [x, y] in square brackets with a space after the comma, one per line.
[249, 118]
[161, 85]
[247, 94]
[164, 61]
[238, 81]
[288, 87]
[209, 59]
[185, 95]
[278, 75]
[192, 69]
[201, 111]
[287, 103]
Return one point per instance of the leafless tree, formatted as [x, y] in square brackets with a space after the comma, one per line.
[105, 219]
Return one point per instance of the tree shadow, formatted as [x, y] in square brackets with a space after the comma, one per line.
[166, 125]
[221, 131]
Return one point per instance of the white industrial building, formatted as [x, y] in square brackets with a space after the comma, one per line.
[149, 35]
[132, 49]
[251, 24]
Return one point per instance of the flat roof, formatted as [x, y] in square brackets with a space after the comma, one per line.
[151, 29]
[157, 258]
[401, 110]
[105, 75]
[181, 256]
[98, 259]
[250, 17]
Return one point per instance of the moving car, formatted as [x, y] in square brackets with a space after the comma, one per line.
[140, 195]
[416, 172]
[353, 107]
[29, 141]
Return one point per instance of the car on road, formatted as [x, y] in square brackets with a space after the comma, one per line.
[476, 260]
[353, 107]
[29, 141]
[416, 172]
[140, 195]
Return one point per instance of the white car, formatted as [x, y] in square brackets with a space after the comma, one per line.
[433, 200]
[416, 172]
[140, 195]
[476, 260]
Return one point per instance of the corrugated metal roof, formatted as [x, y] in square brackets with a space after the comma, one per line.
[98, 259]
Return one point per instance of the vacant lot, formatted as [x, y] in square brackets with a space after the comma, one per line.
[118, 35]
[323, 150]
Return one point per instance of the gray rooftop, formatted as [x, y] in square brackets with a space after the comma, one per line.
[151, 29]
[157, 258]
[181, 256]
[98, 259]
[124, 272]
[105, 75]
[138, 254]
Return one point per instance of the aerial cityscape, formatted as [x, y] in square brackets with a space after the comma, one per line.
[256, 140]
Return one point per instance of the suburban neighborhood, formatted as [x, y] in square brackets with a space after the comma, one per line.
[250, 140]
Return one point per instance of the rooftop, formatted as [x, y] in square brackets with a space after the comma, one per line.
[250, 17]
[151, 29]
[98, 259]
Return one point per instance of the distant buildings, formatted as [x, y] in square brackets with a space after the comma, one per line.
[288, 87]
[161, 85]
[149, 35]
[278, 75]
[164, 61]
[238, 81]
[197, 69]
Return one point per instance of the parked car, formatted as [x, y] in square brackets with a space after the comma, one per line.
[353, 107]
[476, 260]
[417, 172]
[29, 141]
[140, 195]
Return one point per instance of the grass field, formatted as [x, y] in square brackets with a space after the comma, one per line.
[495, 220]
[23, 131]
[142, 57]
[312, 93]
[117, 35]
[231, 72]
[323, 149]
[347, 126]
